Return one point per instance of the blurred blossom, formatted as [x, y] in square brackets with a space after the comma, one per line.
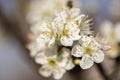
[112, 32]
[53, 64]
[68, 22]
[39, 10]
[90, 51]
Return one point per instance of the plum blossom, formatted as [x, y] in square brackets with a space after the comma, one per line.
[68, 22]
[38, 11]
[111, 32]
[53, 64]
[47, 33]
[90, 51]
[60, 39]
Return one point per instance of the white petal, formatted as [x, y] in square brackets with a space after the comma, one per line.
[41, 58]
[95, 45]
[117, 32]
[63, 58]
[106, 47]
[62, 61]
[77, 51]
[85, 40]
[86, 62]
[74, 33]
[45, 71]
[58, 73]
[80, 18]
[74, 12]
[106, 28]
[66, 41]
[43, 38]
[51, 42]
[65, 52]
[34, 47]
[70, 65]
[98, 56]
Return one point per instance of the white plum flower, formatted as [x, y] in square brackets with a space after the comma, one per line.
[117, 32]
[68, 22]
[47, 33]
[68, 15]
[111, 32]
[37, 10]
[34, 46]
[89, 50]
[52, 64]
[68, 34]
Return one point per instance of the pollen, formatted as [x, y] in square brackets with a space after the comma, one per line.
[51, 62]
[51, 33]
[88, 50]
[65, 32]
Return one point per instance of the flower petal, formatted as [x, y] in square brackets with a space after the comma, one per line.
[98, 56]
[66, 41]
[95, 45]
[58, 73]
[74, 34]
[86, 62]
[63, 58]
[51, 42]
[77, 51]
[33, 49]
[79, 18]
[70, 65]
[74, 12]
[85, 40]
[45, 71]
[106, 28]
[117, 32]
[41, 58]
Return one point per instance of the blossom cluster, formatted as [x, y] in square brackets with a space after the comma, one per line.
[54, 43]
[111, 31]
[37, 10]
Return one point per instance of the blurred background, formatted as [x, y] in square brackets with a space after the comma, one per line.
[15, 61]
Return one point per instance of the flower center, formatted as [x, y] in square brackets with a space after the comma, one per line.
[51, 62]
[51, 33]
[68, 18]
[88, 50]
[65, 32]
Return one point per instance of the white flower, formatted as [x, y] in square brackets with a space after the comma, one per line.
[47, 33]
[117, 31]
[39, 10]
[111, 32]
[53, 64]
[68, 34]
[34, 46]
[67, 15]
[89, 50]
[68, 23]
